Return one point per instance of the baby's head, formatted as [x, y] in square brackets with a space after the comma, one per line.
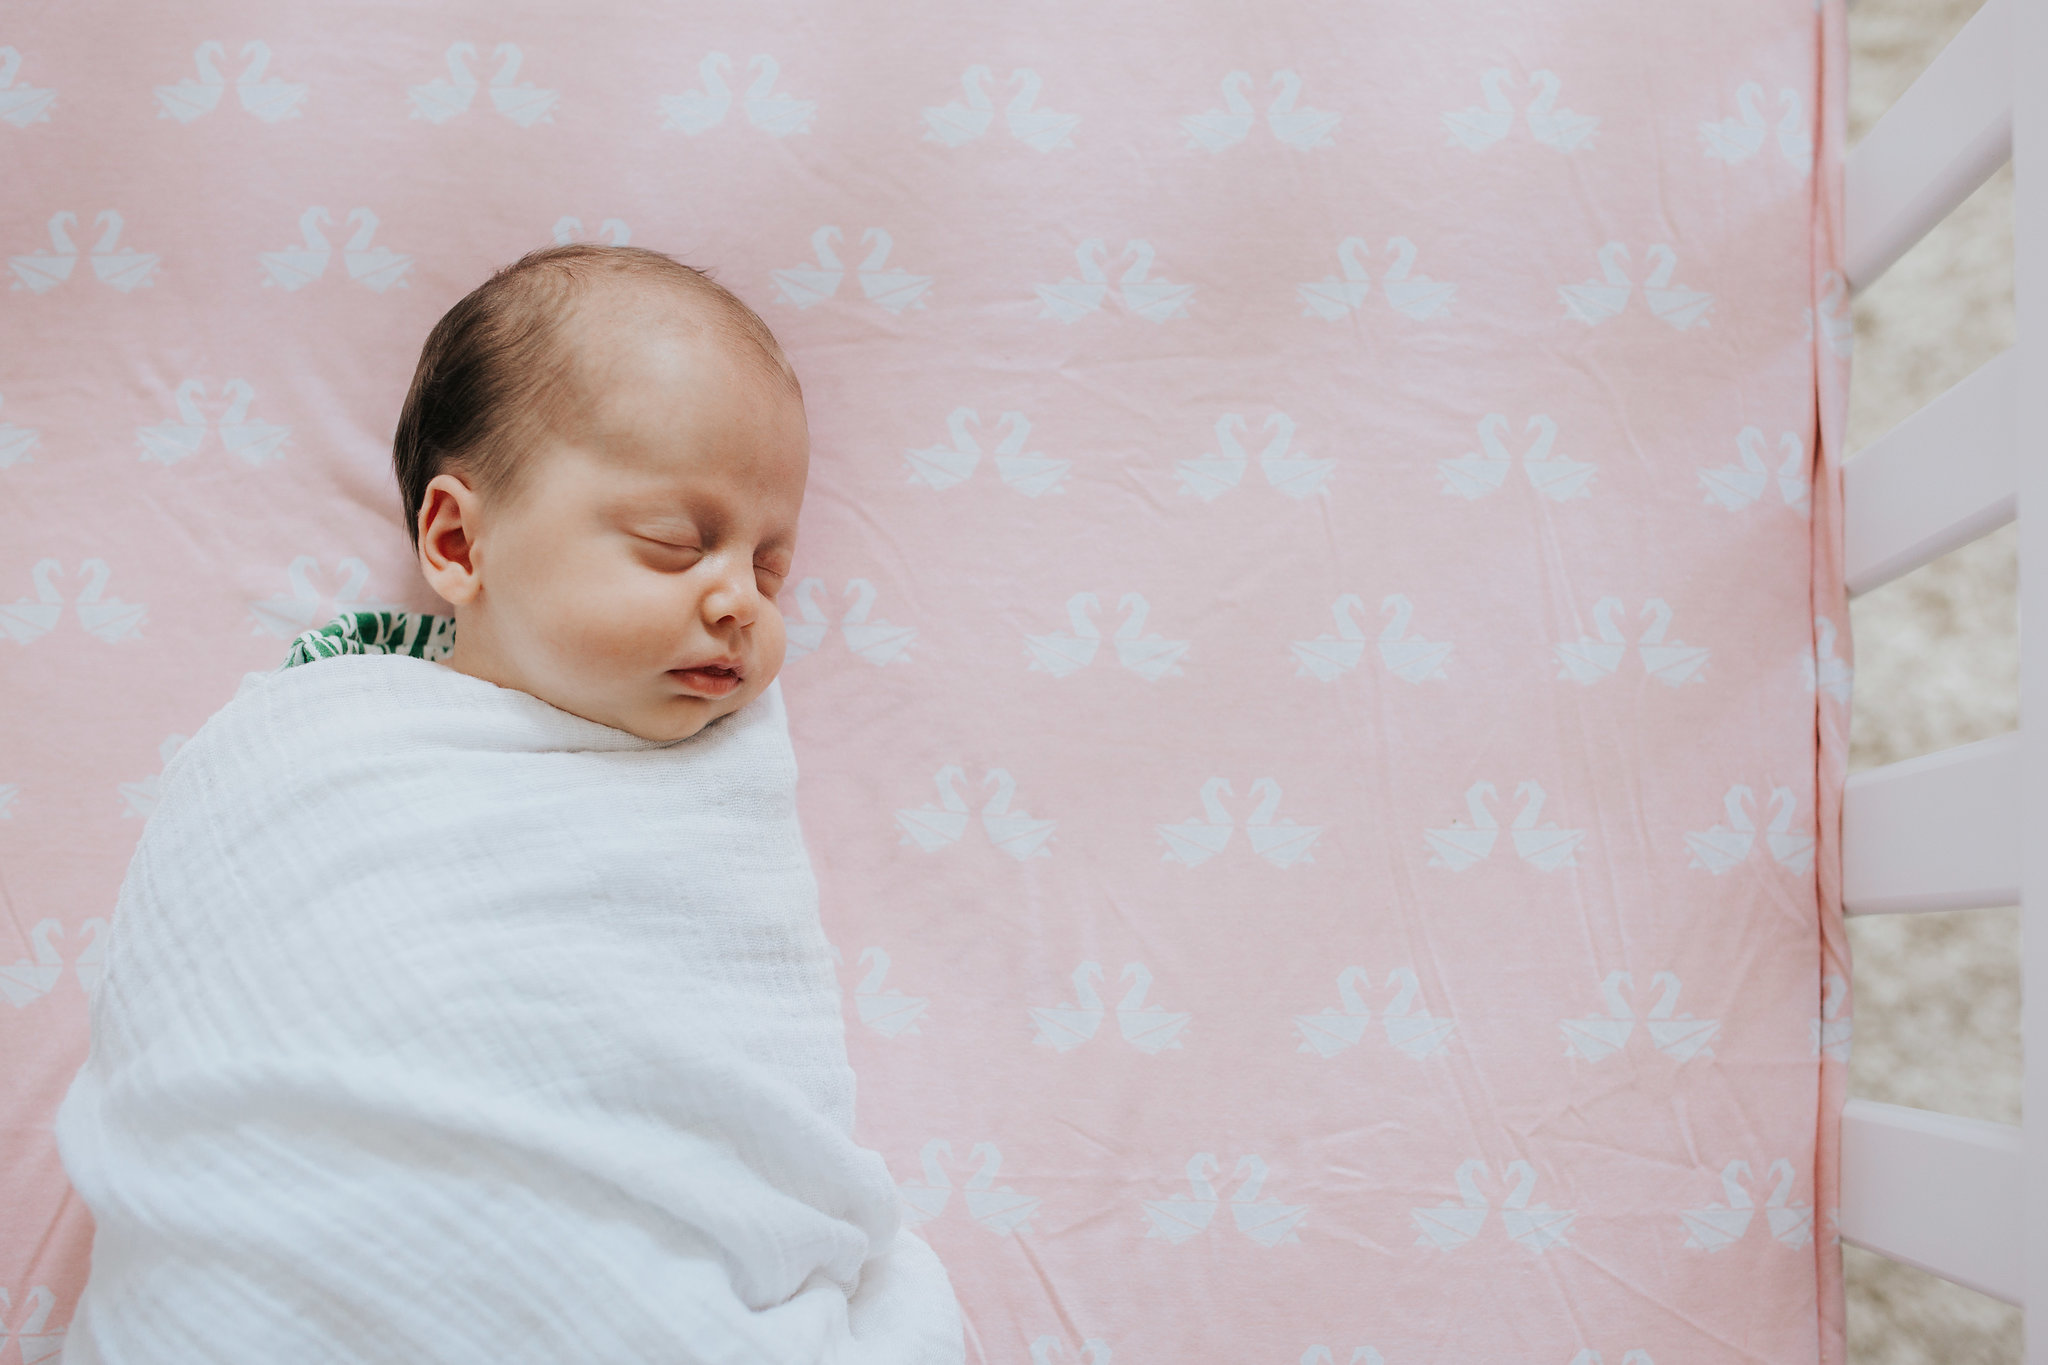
[602, 457]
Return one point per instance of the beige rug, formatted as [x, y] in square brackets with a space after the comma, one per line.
[1937, 663]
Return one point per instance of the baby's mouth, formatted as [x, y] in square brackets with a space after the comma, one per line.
[709, 680]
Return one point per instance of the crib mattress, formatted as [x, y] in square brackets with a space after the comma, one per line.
[1318, 651]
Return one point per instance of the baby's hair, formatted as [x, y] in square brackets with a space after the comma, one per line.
[493, 370]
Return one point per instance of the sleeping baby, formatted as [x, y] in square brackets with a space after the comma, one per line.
[466, 998]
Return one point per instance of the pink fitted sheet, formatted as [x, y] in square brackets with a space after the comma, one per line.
[1196, 1005]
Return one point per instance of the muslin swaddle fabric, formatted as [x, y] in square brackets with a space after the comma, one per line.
[442, 1025]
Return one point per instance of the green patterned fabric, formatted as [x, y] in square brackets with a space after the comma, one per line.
[376, 632]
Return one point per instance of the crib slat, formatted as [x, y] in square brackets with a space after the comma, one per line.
[1939, 141]
[1938, 832]
[1936, 481]
[1935, 1191]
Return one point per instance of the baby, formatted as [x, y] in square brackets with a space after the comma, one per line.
[471, 1004]
[602, 459]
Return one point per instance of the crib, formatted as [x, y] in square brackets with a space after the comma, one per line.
[1945, 831]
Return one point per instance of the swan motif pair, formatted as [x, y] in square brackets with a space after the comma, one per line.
[1545, 847]
[1142, 296]
[1480, 126]
[1736, 486]
[876, 641]
[1412, 1030]
[1266, 1221]
[1474, 474]
[1016, 832]
[889, 1012]
[1454, 1222]
[1406, 656]
[24, 620]
[1292, 472]
[1149, 1028]
[891, 288]
[1290, 122]
[1335, 298]
[614, 230]
[1721, 847]
[1282, 843]
[956, 124]
[1717, 1226]
[30, 979]
[16, 443]
[252, 442]
[114, 265]
[141, 794]
[1596, 300]
[309, 606]
[1678, 1036]
[1061, 653]
[1735, 140]
[699, 111]
[33, 1335]
[1001, 1210]
[1833, 1035]
[1029, 472]
[376, 268]
[1837, 325]
[21, 103]
[1590, 658]
[267, 97]
[442, 99]
[1820, 668]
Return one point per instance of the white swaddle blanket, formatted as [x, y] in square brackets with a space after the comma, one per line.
[443, 1025]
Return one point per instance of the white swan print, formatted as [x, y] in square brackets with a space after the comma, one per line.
[1210, 476]
[1410, 657]
[294, 267]
[1418, 296]
[774, 113]
[1040, 129]
[252, 441]
[1217, 129]
[1142, 296]
[893, 289]
[807, 285]
[1030, 472]
[39, 270]
[376, 268]
[1678, 1036]
[699, 111]
[1149, 1028]
[265, 96]
[140, 795]
[1721, 847]
[1151, 656]
[1475, 474]
[1283, 843]
[1480, 126]
[1454, 1222]
[1831, 1034]
[1408, 1028]
[570, 229]
[116, 266]
[1268, 1222]
[955, 124]
[441, 99]
[1795, 134]
[1589, 659]
[1327, 657]
[1544, 847]
[26, 620]
[1736, 486]
[1820, 668]
[1837, 324]
[1335, 298]
[1598, 1036]
[1016, 832]
[1071, 300]
[889, 1012]
[1063, 652]
[21, 103]
[874, 640]
[1000, 1209]
[1459, 845]
[1154, 300]
[188, 99]
[1596, 300]
[310, 605]
[951, 462]
[1290, 471]
[1735, 140]
[16, 442]
[1718, 1225]
[1792, 848]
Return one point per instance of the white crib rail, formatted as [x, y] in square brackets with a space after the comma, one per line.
[1947, 831]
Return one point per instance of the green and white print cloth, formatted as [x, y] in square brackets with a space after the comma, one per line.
[417, 633]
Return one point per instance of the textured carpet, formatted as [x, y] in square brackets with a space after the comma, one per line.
[1937, 663]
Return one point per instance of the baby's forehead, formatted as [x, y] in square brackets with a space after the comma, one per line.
[629, 338]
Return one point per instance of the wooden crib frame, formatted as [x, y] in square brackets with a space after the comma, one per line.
[1946, 831]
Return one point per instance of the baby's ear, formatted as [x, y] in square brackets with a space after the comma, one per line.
[447, 523]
